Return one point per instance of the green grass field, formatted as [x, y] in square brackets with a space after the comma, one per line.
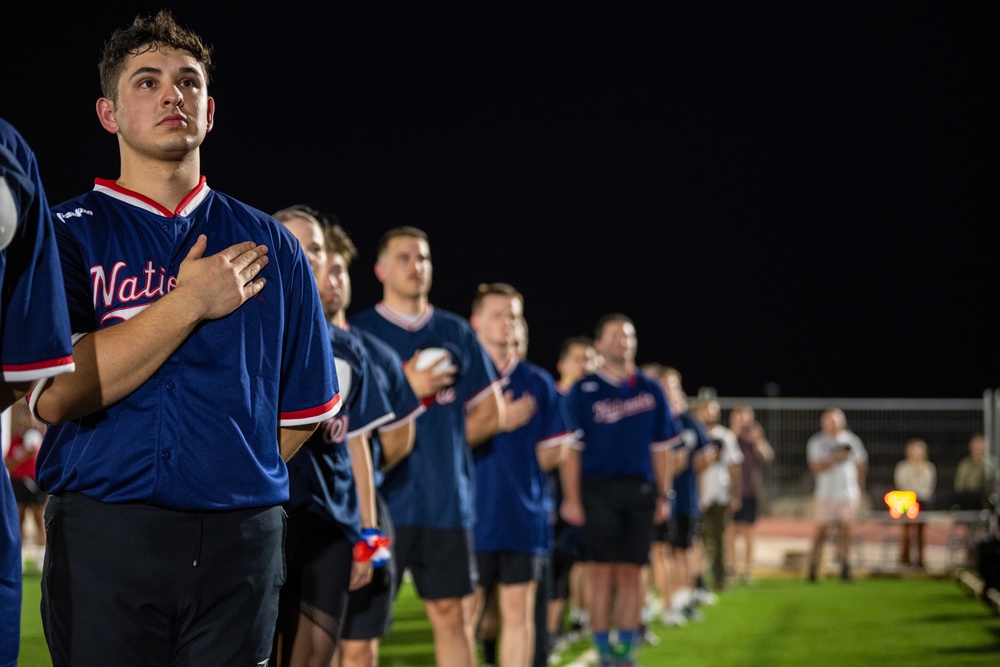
[883, 622]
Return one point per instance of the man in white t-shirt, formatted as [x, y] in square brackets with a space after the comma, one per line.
[719, 486]
[838, 460]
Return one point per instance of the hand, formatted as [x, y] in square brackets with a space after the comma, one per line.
[517, 412]
[572, 513]
[662, 511]
[428, 381]
[361, 575]
[219, 284]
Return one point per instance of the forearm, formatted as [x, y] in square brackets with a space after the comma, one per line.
[550, 457]
[361, 466]
[569, 476]
[290, 438]
[397, 443]
[663, 470]
[483, 421]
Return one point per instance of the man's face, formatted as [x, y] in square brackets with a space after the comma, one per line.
[163, 109]
[404, 267]
[832, 422]
[310, 237]
[618, 342]
[496, 320]
[579, 361]
[335, 291]
[675, 393]
[709, 413]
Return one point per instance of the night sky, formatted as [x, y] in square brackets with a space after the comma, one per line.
[775, 194]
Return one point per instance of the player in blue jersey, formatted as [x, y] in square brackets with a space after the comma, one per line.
[332, 492]
[34, 336]
[194, 382]
[615, 481]
[570, 583]
[369, 608]
[430, 493]
[512, 531]
[678, 541]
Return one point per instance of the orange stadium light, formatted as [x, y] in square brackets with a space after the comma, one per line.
[902, 503]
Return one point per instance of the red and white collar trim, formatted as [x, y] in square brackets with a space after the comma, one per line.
[613, 379]
[403, 322]
[185, 208]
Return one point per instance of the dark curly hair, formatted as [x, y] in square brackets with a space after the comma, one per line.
[148, 34]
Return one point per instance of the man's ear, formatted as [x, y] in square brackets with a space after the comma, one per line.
[379, 272]
[106, 114]
[210, 115]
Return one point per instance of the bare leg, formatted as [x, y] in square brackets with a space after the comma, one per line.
[453, 646]
[517, 620]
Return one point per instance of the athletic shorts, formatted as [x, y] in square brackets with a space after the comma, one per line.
[138, 585]
[319, 557]
[836, 510]
[508, 567]
[747, 513]
[26, 492]
[681, 530]
[619, 519]
[441, 561]
[369, 609]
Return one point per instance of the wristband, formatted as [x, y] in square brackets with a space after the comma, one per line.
[669, 495]
[373, 546]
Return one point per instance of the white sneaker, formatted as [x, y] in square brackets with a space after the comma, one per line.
[705, 596]
[673, 618]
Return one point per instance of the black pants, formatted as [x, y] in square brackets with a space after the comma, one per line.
[138, 585]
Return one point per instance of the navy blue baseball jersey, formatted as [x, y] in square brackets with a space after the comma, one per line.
[433, 486]
[405, 404]
[620, 423]
[202, 432]
[321, 479]
[34, 334]
[694, 439]
[512, 492]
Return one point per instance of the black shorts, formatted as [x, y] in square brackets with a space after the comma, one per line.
[26, 492]
[319, 558]
[748, 511]
[138, 585]
[441, 561]
[681, 530]
[619, 519]
[369, 609]
[508, 567]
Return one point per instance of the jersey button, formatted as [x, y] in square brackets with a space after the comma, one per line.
[170, 385]
[166, 227]
[166, 456]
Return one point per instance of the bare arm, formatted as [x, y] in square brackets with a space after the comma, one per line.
[290, 438]
[114, 362]
[549, 458]
[482, 420]
[397, 443]
[571, 509]
[361, 467]
[663, 469]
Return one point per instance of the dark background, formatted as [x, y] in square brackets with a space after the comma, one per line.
[778, 193]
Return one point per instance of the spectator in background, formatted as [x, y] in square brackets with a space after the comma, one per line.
[719, 487]
[975, 476]
[838, 460]
[915, 473]
[757, 453]
[25, 438]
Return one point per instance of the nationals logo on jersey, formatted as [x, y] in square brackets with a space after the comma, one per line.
[613, 410]
[119, 287]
